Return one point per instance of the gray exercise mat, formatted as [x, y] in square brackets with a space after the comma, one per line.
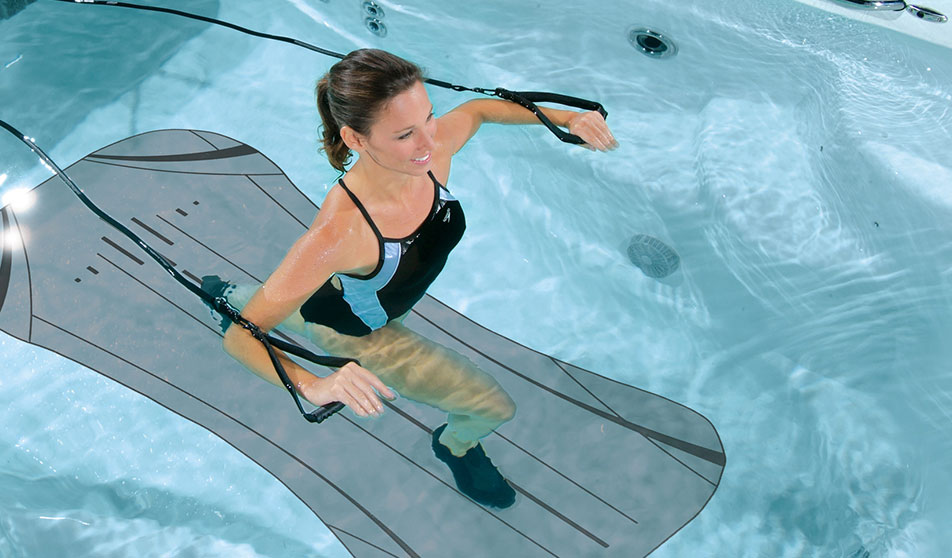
[600, 468]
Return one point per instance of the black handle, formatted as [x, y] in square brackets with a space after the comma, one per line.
[324, 412]
[529, 98]
[545, 97]
[318, 415]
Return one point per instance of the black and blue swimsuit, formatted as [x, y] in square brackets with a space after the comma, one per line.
[405, 269]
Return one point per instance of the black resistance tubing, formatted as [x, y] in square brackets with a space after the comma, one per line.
[526, 99]
[220, 304]
[189, 15]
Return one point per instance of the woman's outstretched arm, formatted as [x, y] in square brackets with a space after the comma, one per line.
[460, 124]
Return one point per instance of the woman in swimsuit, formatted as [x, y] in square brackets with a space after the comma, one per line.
[377, 243]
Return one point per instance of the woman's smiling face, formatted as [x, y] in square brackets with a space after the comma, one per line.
[402, 136]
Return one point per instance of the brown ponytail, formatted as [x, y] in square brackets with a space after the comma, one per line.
[354, 91]
[337, 152]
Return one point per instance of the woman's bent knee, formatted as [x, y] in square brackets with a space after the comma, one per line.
[504, 408]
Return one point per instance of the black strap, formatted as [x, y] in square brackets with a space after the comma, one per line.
[525, 98]
[220, 304]
[529, 98]
[363, 211]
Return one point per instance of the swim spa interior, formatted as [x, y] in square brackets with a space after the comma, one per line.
[796, 161]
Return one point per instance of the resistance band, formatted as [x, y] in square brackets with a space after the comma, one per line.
[220, 304]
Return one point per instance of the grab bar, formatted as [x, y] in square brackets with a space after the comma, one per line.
[923, 13]
[886, 5]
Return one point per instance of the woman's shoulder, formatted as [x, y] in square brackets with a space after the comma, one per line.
[337, 208]
[337, 232]
[337, 219]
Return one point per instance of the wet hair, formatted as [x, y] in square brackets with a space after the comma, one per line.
[354, 91]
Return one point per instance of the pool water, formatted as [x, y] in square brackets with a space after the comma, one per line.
[797, 161]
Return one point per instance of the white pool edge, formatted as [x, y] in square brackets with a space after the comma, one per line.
[903, 22]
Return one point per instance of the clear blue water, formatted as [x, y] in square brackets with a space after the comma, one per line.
[798, 162]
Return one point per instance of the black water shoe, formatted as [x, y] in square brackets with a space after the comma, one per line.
[475, 474]
[213, 285]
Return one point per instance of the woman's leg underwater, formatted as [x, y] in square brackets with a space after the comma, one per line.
[429, 373]
[418, 369]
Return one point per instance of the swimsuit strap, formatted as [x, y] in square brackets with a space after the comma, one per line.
[363, 210]
[435, 181]
[361, 207]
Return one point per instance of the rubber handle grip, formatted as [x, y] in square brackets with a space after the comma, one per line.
[324, 412]
[527, 99]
